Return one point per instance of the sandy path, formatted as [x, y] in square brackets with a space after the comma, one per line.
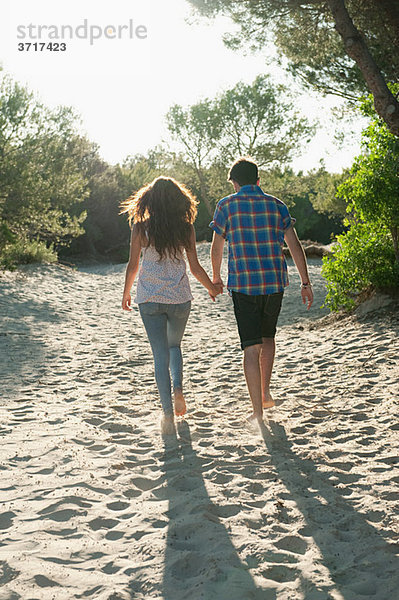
[95, 505]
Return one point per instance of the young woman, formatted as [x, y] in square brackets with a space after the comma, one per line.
[162, 214]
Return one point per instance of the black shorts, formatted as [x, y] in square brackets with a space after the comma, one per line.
[256, 316]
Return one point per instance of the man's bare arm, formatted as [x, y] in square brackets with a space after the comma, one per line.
[299, 258]
[197, 270]
[217, 256]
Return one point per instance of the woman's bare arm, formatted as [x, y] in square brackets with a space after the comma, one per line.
[196, 269]
[132, 268]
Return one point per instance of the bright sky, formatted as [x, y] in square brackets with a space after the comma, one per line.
[122, 88]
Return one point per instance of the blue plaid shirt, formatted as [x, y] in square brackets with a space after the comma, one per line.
[254, 224]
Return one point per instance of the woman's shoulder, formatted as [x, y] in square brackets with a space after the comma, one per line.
[140, 231]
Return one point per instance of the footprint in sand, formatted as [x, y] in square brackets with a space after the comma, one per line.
[114, 535]
[42, 471]
[94, 421]
[64, 515]
[118, 505]
[221, 478]
[279, 557]
[280, 573]
[110, 568]
[390, 496]
[43, 581]
[6, 519]
[375, 516]
[7, 573]
[341, 466]
[64, 532]
[132, 493]
[205, 443]
[146, 483]
[293, 544]
[190, 565]
[101, 523]
[299, 430]
[183, 537]
[228, 510]
[359, 417]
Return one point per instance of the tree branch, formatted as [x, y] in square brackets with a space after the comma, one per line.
[385, 103]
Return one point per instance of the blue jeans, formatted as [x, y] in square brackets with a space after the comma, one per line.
[165, 325]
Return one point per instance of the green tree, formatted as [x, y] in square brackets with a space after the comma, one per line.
[335, 46]
[198, 130]
[372, 190]
[41, 175]
[259, 120]
[255, 120]
[322, 187]
[301, 194]
[368, 254]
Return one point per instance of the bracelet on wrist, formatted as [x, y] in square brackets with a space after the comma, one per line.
[306, 285]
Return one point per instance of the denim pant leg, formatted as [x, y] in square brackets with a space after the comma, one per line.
[155, 322]
[177, 319]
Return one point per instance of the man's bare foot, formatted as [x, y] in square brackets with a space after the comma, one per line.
[255, 419]
[167, 425]
[267, 401]
[180, 403]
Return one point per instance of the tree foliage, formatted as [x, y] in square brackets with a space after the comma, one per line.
[198, 130]
[363, 259]
[368, 254]
[41, 170]
[318, 38]
[255, 120]
[311, 200]
[58, 196]
[372, 189]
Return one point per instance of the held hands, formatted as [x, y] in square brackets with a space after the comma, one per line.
[218, 288]
[127, 301]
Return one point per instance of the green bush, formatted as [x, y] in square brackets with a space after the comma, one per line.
[367, 256]
[363, 259]
[26, 252]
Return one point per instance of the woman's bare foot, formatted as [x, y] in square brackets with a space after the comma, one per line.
[180, 403]
[267, 401]
[167, 425]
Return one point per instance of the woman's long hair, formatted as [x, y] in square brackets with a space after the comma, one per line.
[163, 213]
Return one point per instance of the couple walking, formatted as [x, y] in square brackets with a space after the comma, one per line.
[255, 225]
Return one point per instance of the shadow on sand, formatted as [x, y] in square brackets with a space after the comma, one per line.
[200, 559]
[360, 562]
[24, 352]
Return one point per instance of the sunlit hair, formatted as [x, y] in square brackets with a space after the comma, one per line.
[163, 213]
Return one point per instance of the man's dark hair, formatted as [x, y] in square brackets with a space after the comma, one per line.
[244, 172]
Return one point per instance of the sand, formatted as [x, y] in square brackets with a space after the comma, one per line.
[95, 504]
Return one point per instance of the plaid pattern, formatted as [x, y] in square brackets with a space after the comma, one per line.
[254, 225]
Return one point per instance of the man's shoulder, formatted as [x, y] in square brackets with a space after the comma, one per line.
[224, 202]
[237, 198]
[242, 196]
[270, 197]
[276, 200]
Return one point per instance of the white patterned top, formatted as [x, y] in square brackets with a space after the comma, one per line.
[162, 280]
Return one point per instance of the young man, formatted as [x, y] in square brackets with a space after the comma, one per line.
[256, 225]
